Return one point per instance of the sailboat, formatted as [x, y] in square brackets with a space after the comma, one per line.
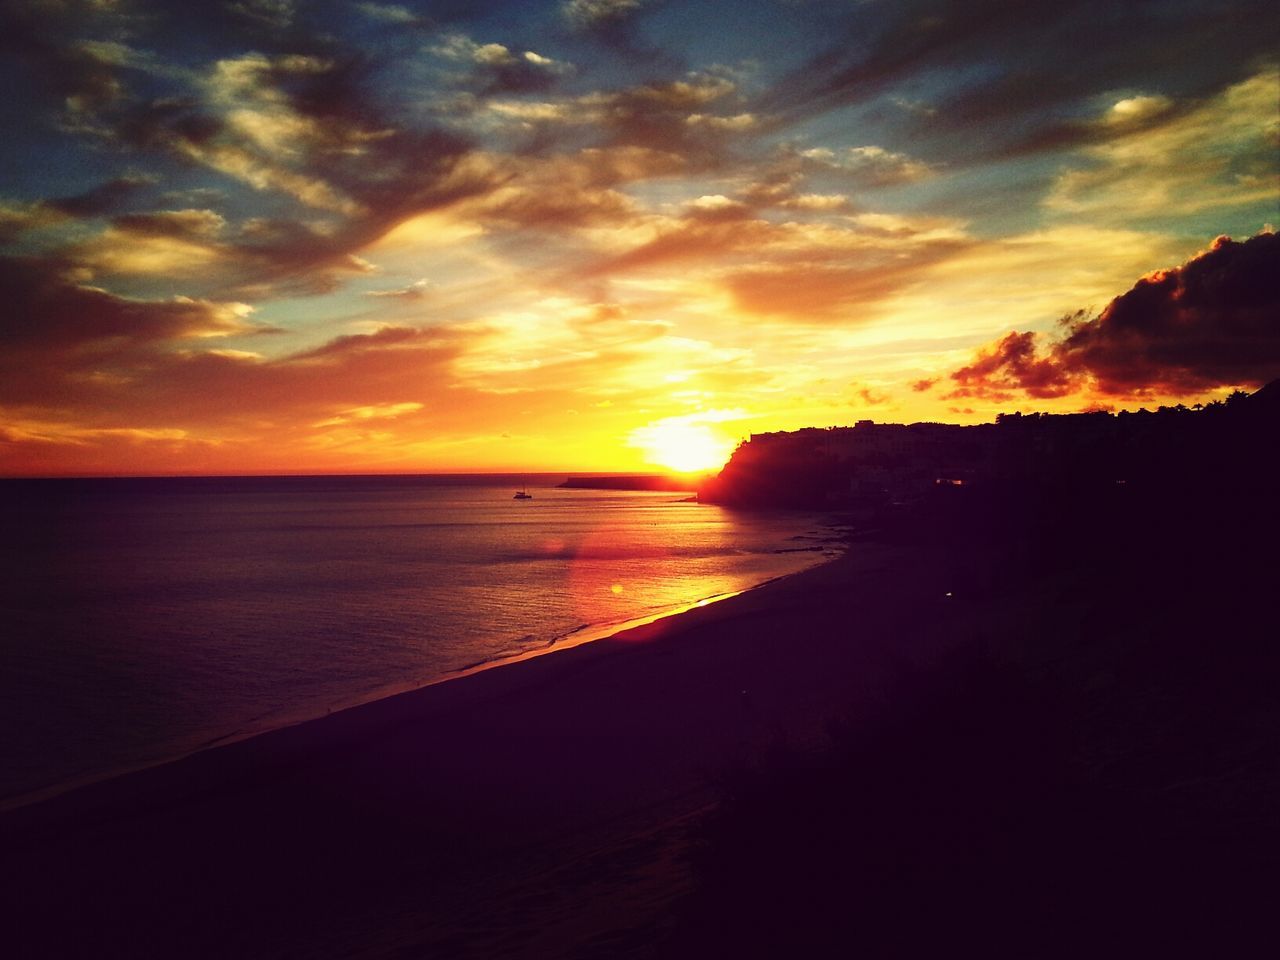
[523, 493]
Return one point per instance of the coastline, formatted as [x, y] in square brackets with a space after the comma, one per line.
[551, 753]
[587, 633]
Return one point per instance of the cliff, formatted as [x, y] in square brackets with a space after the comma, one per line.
[872, 464]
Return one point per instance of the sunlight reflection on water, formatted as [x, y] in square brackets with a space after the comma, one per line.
[153, 617]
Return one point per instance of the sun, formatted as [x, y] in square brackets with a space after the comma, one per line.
[683, 447]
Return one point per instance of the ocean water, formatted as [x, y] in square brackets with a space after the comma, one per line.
[145, 619]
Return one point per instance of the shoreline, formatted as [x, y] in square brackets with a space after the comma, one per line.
[585, 634]
[442, 808]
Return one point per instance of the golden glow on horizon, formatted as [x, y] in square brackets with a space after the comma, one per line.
[684, 447]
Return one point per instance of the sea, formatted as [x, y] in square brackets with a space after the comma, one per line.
[146, 619]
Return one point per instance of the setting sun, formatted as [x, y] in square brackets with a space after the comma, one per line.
[682, 446]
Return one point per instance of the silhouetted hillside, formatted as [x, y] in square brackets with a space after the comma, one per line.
[876, 465]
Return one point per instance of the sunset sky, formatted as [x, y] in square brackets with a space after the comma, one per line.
[277, 236]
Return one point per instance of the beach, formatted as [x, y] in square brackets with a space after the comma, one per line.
[551, 807]
[527, 767]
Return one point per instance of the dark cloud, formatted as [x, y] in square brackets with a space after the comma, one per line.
[616, 25]
[275, 14]
[44, 37]
[61, 336]
[107, 197]
[122, 362]
[1020, 70]
[171, 124]
[600, 14]
[187, 224]
[1212, 322]
[873, 53]
[393, 15]
[47, 308]
[1147, 113]
[517, 75]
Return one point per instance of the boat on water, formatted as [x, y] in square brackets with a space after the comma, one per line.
[523, 494]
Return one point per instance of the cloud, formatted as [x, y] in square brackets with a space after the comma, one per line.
[377, 411]
[599, 14]
[868, 396]
[817, 292]
[189, 223]
[1156, 161]
[868, 166]
[275, 14]
[301, 126]
[307, 122]
[1012, 74]
[79, 79]
[797, 271]
[696, 116]
[106, 197]
[1013, 363]
[781, 181]
[817, 202]
[117, 363]
[413, 291]
[716, 206]
[564, 192]
[1212, 322]
[17, 219]
[530, 204]
[495, 69]
[63, 338]
[1131, 111]
[390, 13]
[48, 308]
[871, 54]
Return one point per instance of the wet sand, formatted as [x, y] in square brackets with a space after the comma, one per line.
[506, 813]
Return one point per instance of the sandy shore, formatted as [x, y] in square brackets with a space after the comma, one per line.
[465, 816]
